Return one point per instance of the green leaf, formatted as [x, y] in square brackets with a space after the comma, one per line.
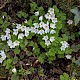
[22, 45]
[75, 11]
[66, 76]
[51, 58]
[29, 22]
[77, 15]
[21, 14]
[76, 19]
[60, 52]
[42, 44]
[41, 58]
[4, 46]
[31, 43]
[51, 52]
[60, 55]
[9, 61]
[33, 6]
[1, 21]
[16, 50]
[36, 51]
[65, 37]
[31, 69]
[13, 38]
[77, 62]
[40, 72]
[74, 48]
[56, 9]
[5, 24]
[59, 25]
[15, 60]
[62, 77]
[41, 10]
[62, 18]
[14, 77]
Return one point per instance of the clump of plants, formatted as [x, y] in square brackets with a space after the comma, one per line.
[38, 35]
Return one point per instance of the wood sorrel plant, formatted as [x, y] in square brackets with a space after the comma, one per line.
[40, 31]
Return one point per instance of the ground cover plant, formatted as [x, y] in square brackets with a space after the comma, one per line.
[38, 44]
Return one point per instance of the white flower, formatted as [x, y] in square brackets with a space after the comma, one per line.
[13, 24]
[15, 31]
[52, 38]
[54, 20]
[14, 70]
[46, 28]
[41, 24]
[36, 13]
[70, 22]
[52, 31]
[33, 30]
[3, 16]
[8, 36]
[3, 56]
[68, 56]
[62, 48]
[41, 18]
[3, 37]
[53, 25]
[51, 10]
[10, 44]
[7, 30]
[25, 21]
[47, 16]
[18, 26]
[64, 45]
[28, 29]
[26, 33]
[23, 28]
[41, 32]
[36, 25]
[2, 53]
[16, 43]
[47, 42]
[52, 16]
[20, 36]
[1, 60]
[45, 38]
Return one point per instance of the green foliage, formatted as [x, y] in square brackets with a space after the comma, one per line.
[33, 44]
[41, 10]
[16, 50]
[42, 44]
[5, 25]
[22, 14]
[76, 12]
[1, 21]
[14, 77]
[75, 47]
[8, 63]
[40, 72]
[33, 6]
[24, 72]
[3, 46]
[65, 76]
[42, 57]
[77, 62]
